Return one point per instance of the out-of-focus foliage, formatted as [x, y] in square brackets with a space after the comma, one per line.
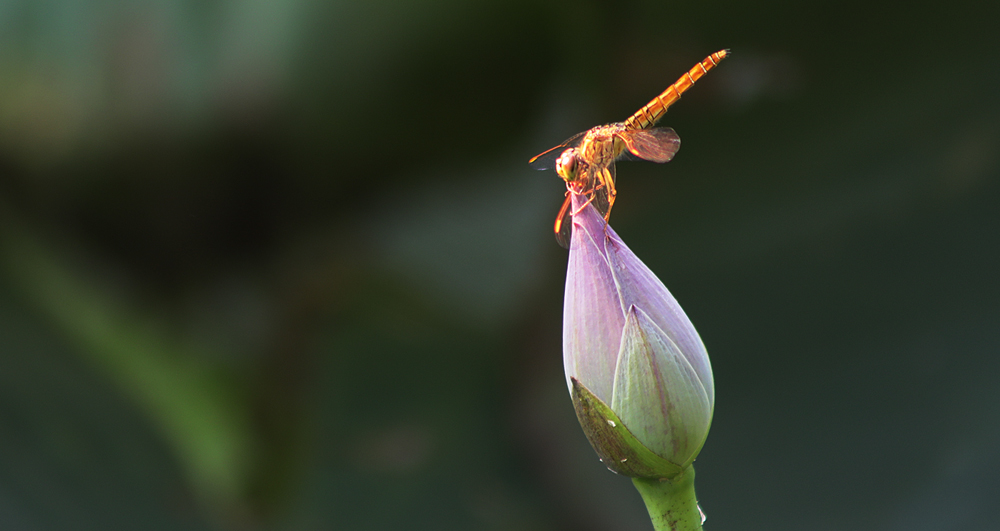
[282, 264]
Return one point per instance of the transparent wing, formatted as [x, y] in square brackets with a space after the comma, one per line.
[659, 144]
[546, 160]
[564, 222]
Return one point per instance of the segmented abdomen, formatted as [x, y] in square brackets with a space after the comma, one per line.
[647, 116]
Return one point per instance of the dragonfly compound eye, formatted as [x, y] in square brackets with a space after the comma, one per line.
[566, 165]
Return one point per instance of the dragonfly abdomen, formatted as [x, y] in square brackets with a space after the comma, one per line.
[651, 113]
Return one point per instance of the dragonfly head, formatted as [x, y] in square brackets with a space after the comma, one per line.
[567, 165]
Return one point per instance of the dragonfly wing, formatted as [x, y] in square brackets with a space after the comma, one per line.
[564, 222]
[546, 160]
[658, 144]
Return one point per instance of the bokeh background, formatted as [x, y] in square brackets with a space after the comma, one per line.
[282, 264]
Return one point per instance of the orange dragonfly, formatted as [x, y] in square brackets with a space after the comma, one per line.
[587, 160]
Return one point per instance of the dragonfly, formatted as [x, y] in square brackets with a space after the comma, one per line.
[586, 161]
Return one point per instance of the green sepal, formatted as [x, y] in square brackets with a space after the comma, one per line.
[618, 449]
[657, 392]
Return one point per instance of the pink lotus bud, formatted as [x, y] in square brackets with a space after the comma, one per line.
[631, 357]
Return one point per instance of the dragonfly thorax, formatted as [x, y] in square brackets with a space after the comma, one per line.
[601, 146]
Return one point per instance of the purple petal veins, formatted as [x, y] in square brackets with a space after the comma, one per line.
[592, 318]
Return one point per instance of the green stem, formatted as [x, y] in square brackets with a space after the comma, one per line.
[672, 504]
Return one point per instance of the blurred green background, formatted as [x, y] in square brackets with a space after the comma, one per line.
[283, 265]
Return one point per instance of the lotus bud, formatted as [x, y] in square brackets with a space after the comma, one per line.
[638, 372]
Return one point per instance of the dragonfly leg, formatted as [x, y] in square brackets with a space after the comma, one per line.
[608, 179]
[589, 199]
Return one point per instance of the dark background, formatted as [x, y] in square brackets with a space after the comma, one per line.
[282, 265]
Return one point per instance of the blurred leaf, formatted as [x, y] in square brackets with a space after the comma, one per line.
[196, 410]
[74, 452]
